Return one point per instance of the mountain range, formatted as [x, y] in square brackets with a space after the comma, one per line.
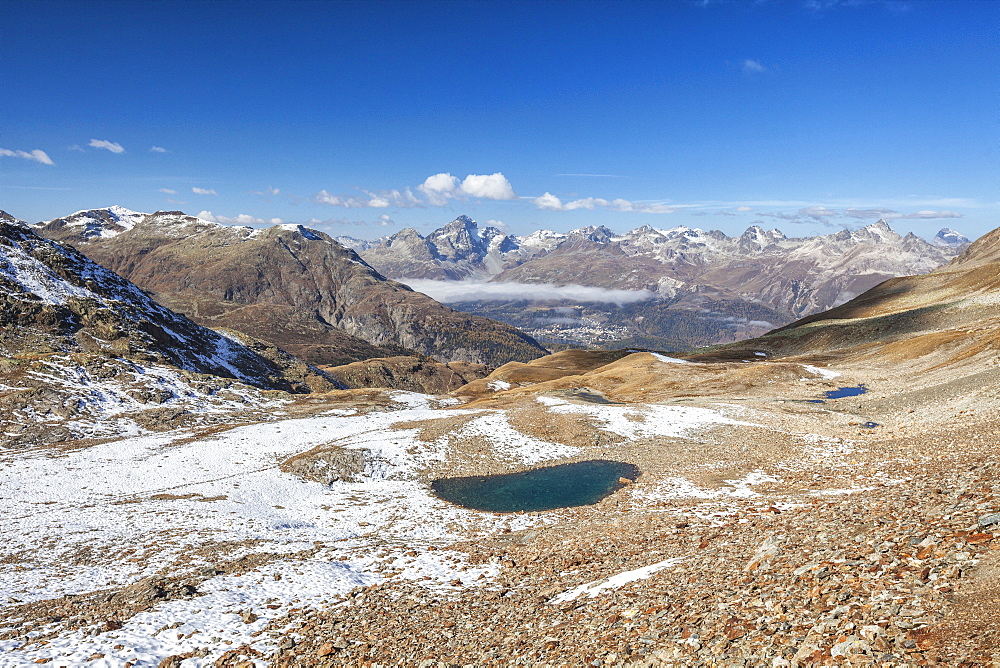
[289, 285]
[703, 287]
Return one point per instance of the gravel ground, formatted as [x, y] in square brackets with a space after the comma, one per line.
[788, 535]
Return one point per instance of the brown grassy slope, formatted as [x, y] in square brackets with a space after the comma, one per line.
[411, 373]
[951, 312]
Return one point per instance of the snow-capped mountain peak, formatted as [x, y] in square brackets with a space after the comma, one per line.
[101, 223]
[949, 238]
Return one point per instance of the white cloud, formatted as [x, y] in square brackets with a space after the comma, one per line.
[157, 149]
[324, 197]
[820, 213]
[76, 147]
[795, 218]
[439, 188]
[168, 191]
[457, 291]
[267, 191]
[488, 186]
[375, 200]
[753, 66]
[114, 147]
[238, 219]
[333, 225]
[639, 207]
[925, 215]
[744, 208]
[203, 191]
[549, 202]
[36, 155]
[853, 212]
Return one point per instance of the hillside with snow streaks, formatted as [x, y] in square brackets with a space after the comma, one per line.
[85, 354]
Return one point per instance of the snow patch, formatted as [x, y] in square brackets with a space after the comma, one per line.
[593, 589]
[826, 374]
[670, 360]
[682, 488]
[164, 495]
[642, 420]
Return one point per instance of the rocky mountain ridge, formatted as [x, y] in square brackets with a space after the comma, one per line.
[456, 251]
[800, 275]
[55, 300]
[703, 287]
[289, 285]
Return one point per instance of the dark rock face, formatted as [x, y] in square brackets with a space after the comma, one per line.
[292, 286]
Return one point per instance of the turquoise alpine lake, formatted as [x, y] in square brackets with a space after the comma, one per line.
[546, 488]
[840, 393]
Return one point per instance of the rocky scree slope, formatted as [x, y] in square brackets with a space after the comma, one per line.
[292, 286]
[85, 354]
[55, 300]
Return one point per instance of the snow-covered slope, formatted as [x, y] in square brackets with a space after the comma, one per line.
[55, 300]
[98, 223]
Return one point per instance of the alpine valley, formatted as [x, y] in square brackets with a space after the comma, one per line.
[221, 446]
[667, 289]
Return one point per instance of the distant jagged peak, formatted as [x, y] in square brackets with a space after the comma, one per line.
[881, 229]
[405, 233]
[491, 232]
[758, 231]
[462, 219]
[356, 244]
[756, 236]
[461, 224]
[539, 235]
[949, 238]
[644, 232]
[596, 233]
[682, 231]
[877, 232]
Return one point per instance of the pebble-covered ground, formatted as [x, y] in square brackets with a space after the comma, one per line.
[763, 531]
[898, 571]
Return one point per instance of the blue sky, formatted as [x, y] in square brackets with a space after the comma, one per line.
[367, 117]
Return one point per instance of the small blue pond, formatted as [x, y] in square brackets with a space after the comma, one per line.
[840, 393]
[547, 488]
